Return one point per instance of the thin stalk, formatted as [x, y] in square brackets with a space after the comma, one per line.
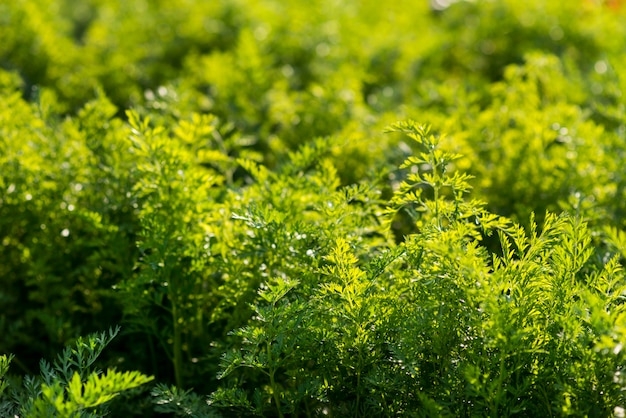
[436, 185]
[358, 391]
[272, 370]
[178, 351]
[152, 354]
[360, 339]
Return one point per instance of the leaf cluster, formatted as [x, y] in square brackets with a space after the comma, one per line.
[70, 386]
[227, 181]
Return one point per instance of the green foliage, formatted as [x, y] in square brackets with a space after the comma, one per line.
[539, 152]
[4, 368]
[71, 386]
[180, 403]
[454, 331]
[226, 180]
[66, 225]
[174, 250]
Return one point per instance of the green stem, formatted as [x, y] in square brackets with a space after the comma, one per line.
[437, 205]
[153, 359]
[358, 392]
[360, 362]
[436, 185]
[272, 370]
[178, 351]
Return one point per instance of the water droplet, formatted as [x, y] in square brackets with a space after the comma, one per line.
[617, 349]
[322, 49]
[556, 33]
[440, 4]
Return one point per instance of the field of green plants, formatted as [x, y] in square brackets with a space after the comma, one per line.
[322, 208]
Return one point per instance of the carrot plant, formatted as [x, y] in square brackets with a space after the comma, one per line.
[69, 387]
[167, 297]
[226, 181]
[438, 324]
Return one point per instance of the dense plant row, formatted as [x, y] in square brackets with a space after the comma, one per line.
[228, 182]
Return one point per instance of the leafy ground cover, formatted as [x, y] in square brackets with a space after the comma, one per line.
[321, 208]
